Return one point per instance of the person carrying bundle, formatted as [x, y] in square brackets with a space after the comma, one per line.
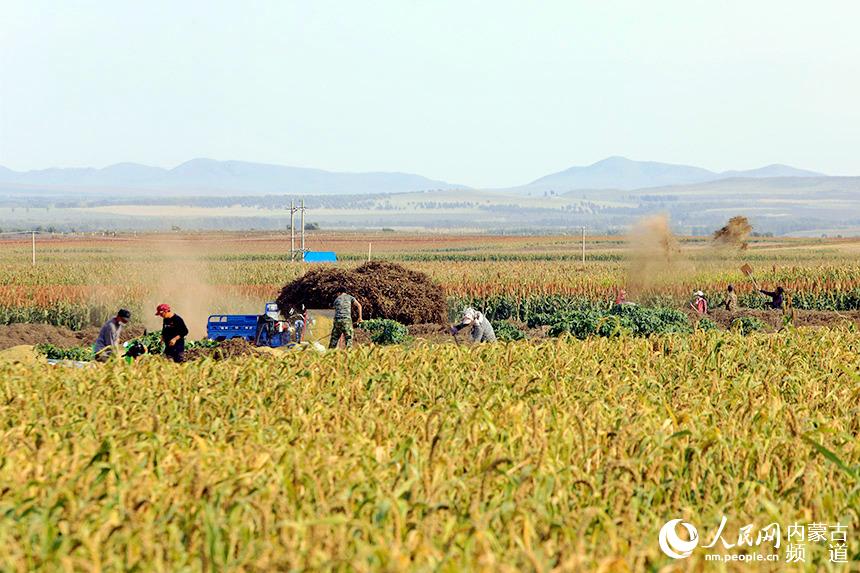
[482, 330]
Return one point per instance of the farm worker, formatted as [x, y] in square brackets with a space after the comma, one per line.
[731, 302]
[699, 304]
[108, 340]
[173, 333]
[299, 321]
[621, 298]
[299, 326]
[777, 297]
[271, 323]
[298, 330]
[267, 324]
[343, 319]
[482, 330]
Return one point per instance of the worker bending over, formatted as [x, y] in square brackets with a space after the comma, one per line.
[299, 321]
[482, 330]
[108, 340]
[700, 303]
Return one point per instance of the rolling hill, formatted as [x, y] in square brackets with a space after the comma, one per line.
[208, 176]
[608, 195]
[623, 173]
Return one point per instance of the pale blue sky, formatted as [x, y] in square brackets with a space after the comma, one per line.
[488, 93]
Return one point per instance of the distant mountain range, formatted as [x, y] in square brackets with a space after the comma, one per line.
[623, 173]
[211, 177]
[608, 196]
[219, 178]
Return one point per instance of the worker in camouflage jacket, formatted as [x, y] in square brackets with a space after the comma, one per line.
[343, 319]
[482, 330]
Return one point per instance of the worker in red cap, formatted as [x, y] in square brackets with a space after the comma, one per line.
[173, 333]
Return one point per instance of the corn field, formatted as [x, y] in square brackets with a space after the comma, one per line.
[558, 455]
[80, 282]
[563, 456]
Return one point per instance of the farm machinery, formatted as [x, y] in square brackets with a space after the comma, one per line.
[267, 329]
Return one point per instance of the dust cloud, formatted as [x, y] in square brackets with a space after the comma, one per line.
[734, 233]
[184, 282]
[654, 255]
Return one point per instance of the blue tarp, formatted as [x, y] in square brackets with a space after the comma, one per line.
[320, 257]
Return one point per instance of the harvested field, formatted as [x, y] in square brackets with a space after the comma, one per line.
[429, 332]
[428, 329]
[774, 319]
[385, 290]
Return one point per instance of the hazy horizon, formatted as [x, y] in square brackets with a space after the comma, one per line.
[466, 92]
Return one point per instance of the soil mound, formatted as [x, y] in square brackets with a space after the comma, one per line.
[360, 337]
[434, 333]
[385, 290]
[31, 334]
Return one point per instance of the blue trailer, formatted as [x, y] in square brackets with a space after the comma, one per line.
[267, 329]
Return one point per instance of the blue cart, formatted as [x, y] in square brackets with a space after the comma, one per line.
[267, 329]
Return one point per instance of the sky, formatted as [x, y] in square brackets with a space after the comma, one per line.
[485, 93]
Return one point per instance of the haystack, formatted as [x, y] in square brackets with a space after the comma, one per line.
[385, 290]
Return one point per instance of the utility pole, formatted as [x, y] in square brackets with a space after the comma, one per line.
[303, 227]
[301, 210]
[292, 232]
[34, 248]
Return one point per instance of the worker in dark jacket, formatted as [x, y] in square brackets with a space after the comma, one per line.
[777, 298]
[173, 333]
